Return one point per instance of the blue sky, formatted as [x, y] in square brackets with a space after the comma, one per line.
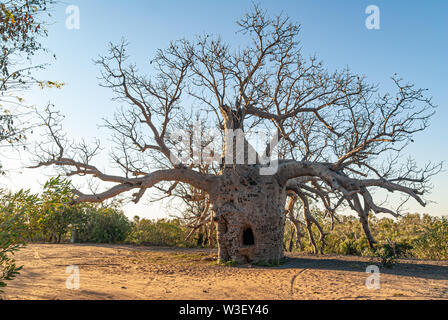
[412, 41]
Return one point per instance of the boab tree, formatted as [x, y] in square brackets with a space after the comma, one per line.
[339, 138]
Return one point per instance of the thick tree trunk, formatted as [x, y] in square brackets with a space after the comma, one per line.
[250, 212]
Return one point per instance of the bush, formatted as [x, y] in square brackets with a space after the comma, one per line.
[349, 247]
[57, 212]
[12, 234]
[8, 246]
[390, 252]
[160, 233]
[412, 235]
[433, 243]
[102, 225]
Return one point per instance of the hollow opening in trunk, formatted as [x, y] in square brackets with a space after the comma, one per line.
[248, 237]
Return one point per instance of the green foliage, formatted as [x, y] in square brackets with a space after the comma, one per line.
[412, 235]
[390, 252]
[56, 210]
[12, 233]
[160, 233]
[433, 243]
[46, 216]
[51, 216]
[228, 263]
[18, 209]
[102, 225]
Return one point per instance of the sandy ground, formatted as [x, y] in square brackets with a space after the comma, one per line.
[122, 272]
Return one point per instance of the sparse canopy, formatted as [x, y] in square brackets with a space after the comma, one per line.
[339, 137]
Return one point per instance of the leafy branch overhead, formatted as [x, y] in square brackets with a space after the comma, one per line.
[22, 28]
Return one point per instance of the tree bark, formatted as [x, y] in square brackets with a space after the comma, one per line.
[250, 212]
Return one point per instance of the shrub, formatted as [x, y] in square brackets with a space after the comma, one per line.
[12, 234]
[102, 225]
[390, 252]
[433, 243]
[348, 247]
[57, 212]
[411, 235]
[160, 233]
[8, 246]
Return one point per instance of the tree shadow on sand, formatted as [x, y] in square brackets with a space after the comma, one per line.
[408, 268]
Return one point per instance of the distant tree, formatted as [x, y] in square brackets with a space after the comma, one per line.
[57, 211]
[339, 137]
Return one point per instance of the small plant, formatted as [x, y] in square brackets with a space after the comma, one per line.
[228, 263]
[11, 240]
[390, 252]
[9, 270]
[348, 247]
